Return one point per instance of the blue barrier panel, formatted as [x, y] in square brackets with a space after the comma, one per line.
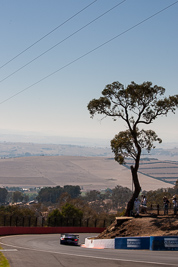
[163, 242]
[132, 242]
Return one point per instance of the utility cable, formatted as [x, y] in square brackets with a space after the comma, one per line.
[48, 34]
[28, 63]
[91, 51]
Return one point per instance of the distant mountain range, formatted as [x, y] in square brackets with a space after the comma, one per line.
[13, 150]
[27, 149]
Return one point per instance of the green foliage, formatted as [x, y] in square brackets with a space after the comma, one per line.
[120, 196]
[3, 261]
[3, 195]
[70, 211]
[176, 187]
[53, 194]
[112, 199]
[92, 195]
[137, 104]
[83, 205]
[17, 215]
[156, 197]
[123, 144]
[55, 213]
[72, 190]
[17, 196]
[16, 211]
[49, 194]
[54, 217]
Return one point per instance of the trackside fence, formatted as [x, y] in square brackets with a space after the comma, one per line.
[160, 210]
[31, 221]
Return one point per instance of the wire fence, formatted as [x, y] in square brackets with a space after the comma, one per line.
[31, 221]
[160, 210]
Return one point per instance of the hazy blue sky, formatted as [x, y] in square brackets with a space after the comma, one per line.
[57, 105]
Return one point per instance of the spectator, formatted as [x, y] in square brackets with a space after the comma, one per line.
[143, 205]
[166, 203]
[136, 206]
[174, 201]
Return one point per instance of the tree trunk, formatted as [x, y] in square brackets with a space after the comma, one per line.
[137, 190]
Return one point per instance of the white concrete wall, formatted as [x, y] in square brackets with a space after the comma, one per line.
[99, 243]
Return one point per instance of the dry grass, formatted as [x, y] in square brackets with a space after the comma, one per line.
[145, 226]
[88, 172]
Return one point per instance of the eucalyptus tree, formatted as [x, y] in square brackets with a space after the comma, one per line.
[136, 105]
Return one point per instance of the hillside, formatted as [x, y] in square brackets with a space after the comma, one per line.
[88, 172]
[143, 226]
[19, 149]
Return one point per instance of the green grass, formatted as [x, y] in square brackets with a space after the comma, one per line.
[3, 261]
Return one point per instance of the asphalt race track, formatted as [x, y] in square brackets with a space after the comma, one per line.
[46, 251]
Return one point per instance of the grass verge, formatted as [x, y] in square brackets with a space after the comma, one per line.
[3, 261]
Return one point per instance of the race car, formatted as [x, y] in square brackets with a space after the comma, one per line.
[69, 239]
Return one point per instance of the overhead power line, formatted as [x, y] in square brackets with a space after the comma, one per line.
[91, 51]
[43, 37]
[45, 52]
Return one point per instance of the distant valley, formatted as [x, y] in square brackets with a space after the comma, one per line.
[92, 168]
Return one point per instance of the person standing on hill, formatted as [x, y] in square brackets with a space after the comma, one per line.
[166, 203]
[136, 206]
[174, 201]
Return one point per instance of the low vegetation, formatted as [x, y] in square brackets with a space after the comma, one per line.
[3, 261]
[70, 201]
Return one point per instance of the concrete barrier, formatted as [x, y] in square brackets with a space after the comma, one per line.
[163, 242]
[144, 242]
[99, 243]
[132, 242]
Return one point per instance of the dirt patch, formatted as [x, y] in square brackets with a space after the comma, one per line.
[142, 226]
